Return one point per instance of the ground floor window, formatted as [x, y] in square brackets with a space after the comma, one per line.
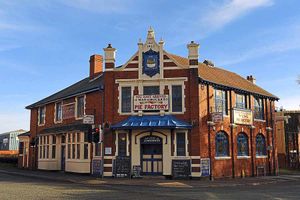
[222, 147]
[47, 147]
[77, 144]
[242, 144]
[180, 144]
[260, 145]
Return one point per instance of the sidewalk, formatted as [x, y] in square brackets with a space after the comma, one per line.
[144, 182]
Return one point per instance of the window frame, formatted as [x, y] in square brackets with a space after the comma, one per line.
[238, 104]
[263, 150]
[258, 108]
[184, 144]
[76, 106]
[225, 152]
[223, 101]
[242, 136]
[129, 111]
[40, 123]
[56, 112]
[172, 98]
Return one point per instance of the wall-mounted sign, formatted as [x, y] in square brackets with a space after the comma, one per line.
[107, 150]
[242, 117]
[205, 167]
[151, 63]
[68, 111]
[151, 140]
[151, 102]
[88, 119]
[217, 117]
[5, 140]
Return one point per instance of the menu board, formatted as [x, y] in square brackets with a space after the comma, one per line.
[136, 171]
[181, 168]
[122, 166]
[97, 168]
[205, 166]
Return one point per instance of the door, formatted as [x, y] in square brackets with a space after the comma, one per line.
[151, 155]
[63, 157]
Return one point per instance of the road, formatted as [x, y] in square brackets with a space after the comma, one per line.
[19, 187]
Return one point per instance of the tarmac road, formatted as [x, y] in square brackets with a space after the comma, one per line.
[13, 187]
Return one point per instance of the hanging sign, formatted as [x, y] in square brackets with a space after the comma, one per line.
[68, 111]
[151, 102]
[242, 117]
[88, 119]
[217, 117]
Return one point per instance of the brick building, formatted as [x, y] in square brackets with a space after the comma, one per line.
[160, 114]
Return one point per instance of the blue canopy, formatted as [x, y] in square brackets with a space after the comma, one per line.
[152, 121]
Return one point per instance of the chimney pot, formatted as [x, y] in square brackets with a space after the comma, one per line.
[193, 56]
[251, 79]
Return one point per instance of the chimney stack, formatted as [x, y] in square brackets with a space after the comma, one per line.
[251, 79]
[96, 65]
[193, 54]
[110, 57]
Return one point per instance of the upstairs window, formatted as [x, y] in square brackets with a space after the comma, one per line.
[240, 101]
[176, 98]
[221, 101]
[242, 142]
[126, 99]
[151, 90]
[222, 147]
[258, 108]
[260, 145]
[58, 112]
[80, 107]
[42, 114]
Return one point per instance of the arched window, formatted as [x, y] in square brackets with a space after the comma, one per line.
[260, 145]
[242, 144]
[222, 144]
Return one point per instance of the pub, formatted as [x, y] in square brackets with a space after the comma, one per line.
[158, 114]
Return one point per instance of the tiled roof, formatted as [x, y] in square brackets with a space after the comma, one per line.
[83, 86]
[223, 77]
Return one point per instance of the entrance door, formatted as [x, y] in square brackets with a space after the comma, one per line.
[151, 155]
[63, 157]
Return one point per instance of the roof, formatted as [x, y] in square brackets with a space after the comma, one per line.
[16, 131]
[152, 121]
[83, 86]
[222, 77]
[24, 134]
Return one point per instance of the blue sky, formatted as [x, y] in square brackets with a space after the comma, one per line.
[45, 45]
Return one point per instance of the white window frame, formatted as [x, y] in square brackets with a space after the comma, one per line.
[81, 144]
[39, 111]
[55, 111]
[186, 143]
[170, 87]
[120, 100]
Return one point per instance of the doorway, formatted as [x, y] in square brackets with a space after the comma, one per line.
[63, 157]
[151, 155]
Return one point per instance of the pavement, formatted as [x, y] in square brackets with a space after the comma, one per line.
[146, 181]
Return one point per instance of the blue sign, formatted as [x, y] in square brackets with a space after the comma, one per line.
[151, 63]
[205, 166]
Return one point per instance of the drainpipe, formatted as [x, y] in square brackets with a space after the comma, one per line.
[273, 143]
[102, 128]
[251, 149]
[211, 177]
[268, 143]
[231, 134]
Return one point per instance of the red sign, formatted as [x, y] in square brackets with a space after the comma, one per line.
[68, 111]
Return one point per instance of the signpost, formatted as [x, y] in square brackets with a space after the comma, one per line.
[151, 102]
[97, 168]
[136, 171]
[241, 116]
[122, 166]
[205, 166]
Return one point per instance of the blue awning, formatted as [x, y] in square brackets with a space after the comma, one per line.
[152, 121]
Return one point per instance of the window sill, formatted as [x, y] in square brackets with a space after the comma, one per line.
[41, 124]
[223, 158]
[58, 122]
[243, 157]
[259, 120]
[261, 156]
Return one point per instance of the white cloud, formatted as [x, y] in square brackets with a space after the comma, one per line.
[228, 12]
[289, 102]
[288, 41]
[100, 6]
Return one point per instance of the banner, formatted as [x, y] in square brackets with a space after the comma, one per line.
[151, 102]
[68, 111]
